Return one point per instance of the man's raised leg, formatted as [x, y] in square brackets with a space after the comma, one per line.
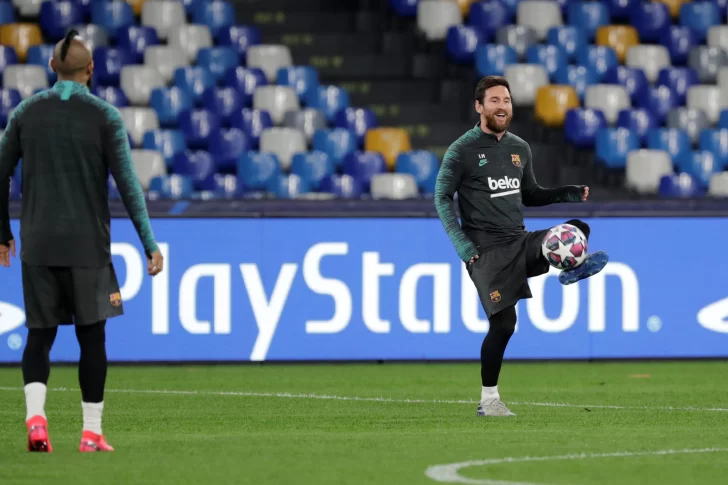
[593, 264]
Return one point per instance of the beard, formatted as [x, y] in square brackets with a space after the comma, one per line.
[495, 124]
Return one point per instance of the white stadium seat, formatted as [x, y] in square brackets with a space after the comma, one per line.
[138, 81]
[525, 80]
[723, 85]
[706, 98]
[517, 36]
[25, 78]
[269, 58]
[540, 15]
[650, 58]
[718, 36]
[276, 100]
[609, 98]
[147, 165]
[307, 120]
[94, 35]
[692, 120]
[28, 8]
[393, 186]
[435, 17]
[138, 121]
[163, 15]
[645, 168]
[707, 61]
[190, 38]
[165, 59]
[718, 186]
[284, 143]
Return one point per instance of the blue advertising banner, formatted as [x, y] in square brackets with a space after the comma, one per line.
[339, 289]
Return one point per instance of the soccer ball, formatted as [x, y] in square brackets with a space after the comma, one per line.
[564, 246]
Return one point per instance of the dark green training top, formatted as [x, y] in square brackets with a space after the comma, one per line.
[69, 141]
[492, 179]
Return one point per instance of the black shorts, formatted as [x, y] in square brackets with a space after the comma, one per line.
[501, 274]
[65, 295]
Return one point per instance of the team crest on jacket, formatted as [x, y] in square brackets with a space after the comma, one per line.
[495, 296]
[115, 299]
[516, 159]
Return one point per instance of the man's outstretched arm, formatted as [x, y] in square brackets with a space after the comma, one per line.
[9, 156]
[534, 195]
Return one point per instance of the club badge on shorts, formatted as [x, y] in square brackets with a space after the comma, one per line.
[495, 296]
[115, 299]
[516, 159]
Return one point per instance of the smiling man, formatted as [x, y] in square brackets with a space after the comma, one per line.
[492, 172]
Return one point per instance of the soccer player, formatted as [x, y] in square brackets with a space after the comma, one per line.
[69, 141]
[491, 170]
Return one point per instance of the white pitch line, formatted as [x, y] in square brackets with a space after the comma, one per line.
[327, 397]
[449, 473]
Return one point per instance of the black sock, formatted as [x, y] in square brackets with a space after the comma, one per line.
[36, 356]
[92, 365]
[502, 326]
[583, 226]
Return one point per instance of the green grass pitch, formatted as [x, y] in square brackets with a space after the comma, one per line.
[660, 423]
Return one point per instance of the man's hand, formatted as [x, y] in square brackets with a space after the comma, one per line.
[155, 264]
[585, 194]
[6, 252]
[472, 260]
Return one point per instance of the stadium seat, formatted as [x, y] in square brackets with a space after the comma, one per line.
[519, 37]
[138, 121]
[701, 165]
[551, 57]
[691, 120]
[225, 186]
[16, 188]
[167, 142]
[658, 100]
[651, 20]
[216, 14]
[7, 57]
[487, 17]
[422, 165]
[396, 186]
[404, 8]
[253, 122]
[706, 99]
[303, 79]
[269, 58]
[57, 16]
[363, 165]
[198, 125]
[568, 37]
[108, 63]
[195, 80]
[578, 77]
[163, 16]
[190, 39]
[257, 171]
[9, 99]
[435, 17]
[165, 59]
[722, 79]
[540, 15]
[588, 16]
[198, 165]
[598, 58]
[147, 165]
[645, 168]
[723, 121]
[610, 99]
[284, 142]
[673, 141]
[276, 100]
[26, 79]
[245, 81]
[525, 80]
[631, 78]
[136, 6]
[7, 13]
[699, 17]
[138, 82]
[707, 61]
[581, 126]
[613, 145]
[227, 146]
[223, 101]
[28, 8]
[390, 142]
[20, 36]
[342, 186]
[620, 38]
[679, 186]
[171, 187]
[462, 40]
[112, 95]
[290, 186]
[492, 59]
[679, 80]
[331, 100]
[307, 121]
[716, 142]
[718, 185]
[679, 42]
[94, 35]
[552, 103]
[673, 7]
[241, 37]
[135, 39]
[217, 60]
[650, 58]
[336, 143]
[312, 167]
[637, 120]
[112, 16]
[40, 55]
[356, 120]
[168, 103]
[718, 36]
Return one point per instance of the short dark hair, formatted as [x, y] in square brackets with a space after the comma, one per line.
[488, 82]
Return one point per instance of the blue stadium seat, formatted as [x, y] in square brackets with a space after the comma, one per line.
[356, 120]
[312, 167]
[579, 77]
[462, 40]
[218, 15]
[172, 186]
[343, 186]
[113, 16]
[699, 17]
[581, 126]
[679, 42]
[252, 122]
[8, 57]
[223, 101]
[637, 120]
[57, 16]
[613, 145]
[723, 120]
[194, 80]
[16, 188]
[569, 38]
[588, 16]
[191, 5]
[197, 126]
[679, 186]
[404, 8]
[679, 80]
[245, 80]
[227, 146]
[7, 13]
[701, 164]
[111, 95]
[169, 103]
[135, 39]
[303, 79]
[422, 165]
[226, 185]
[620, 9]
[716, 142]
[336, 143]
[491, 59]
[674, 141]
[198, 165]
[489, 16]
[218, 60]
[551, 57]
[168, 142]
[331, 100]
[9, 99]
[598, 58]
[241, 37]
[40, 55]
[108, 62]
[658, 100]
[362, 165]
[511, 5]
[257, 171]
[651, 19]
[722, 7]
[289, 186]
[632, 78]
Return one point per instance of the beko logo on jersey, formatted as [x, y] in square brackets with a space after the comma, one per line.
[504, 183]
